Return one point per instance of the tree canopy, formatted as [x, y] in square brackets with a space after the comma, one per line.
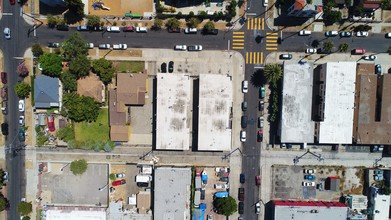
[157, 24]
[80, 108]
[3, 203]
[51, 64]
[78, 167]
[343, 47]
[25, 208]
[69, 81]
[273, 73]
[93, 20]
[225, 206]
[22, 89]
[173, 23]
[386, 4]
[328, 45]
[80, 66]
[209, 26]
[52, 20]
[193, 22]
[22, 70]
[74, 46]
[37, 50]
[75, 11]
[104, 69]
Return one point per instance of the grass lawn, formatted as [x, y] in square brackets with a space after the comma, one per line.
[129, 66]
[98, 130]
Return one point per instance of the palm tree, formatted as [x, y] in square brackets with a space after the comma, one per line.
[343, 47]
[273, 73]
[328, 45]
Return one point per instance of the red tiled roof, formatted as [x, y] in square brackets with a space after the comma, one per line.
[299, 4]
[308, 203]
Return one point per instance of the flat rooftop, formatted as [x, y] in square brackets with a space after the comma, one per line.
[74, 213]
[296, 124]
[374, 107]
[172, 111]
[215, 106]
[337, 127]
[172, 193]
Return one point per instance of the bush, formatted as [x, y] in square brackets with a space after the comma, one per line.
[112, 176]
[78, 167]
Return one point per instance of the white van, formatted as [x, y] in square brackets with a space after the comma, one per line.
[141, 29]
[304, 33]
[113, 29]
[264, 3]
[190, 30]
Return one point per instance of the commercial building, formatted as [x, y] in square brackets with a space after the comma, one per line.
[304, 8]
[73, 213]
[358, 205]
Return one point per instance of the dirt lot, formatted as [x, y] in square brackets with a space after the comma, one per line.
[120, 7]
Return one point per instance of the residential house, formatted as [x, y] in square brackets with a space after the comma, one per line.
[46, 92]
[91, 86]
[305, 8]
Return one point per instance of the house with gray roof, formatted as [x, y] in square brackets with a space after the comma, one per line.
[46, 91]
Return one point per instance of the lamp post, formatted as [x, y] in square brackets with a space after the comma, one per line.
[226, 156]
[103, 187]
[319, 157]
[62, 168]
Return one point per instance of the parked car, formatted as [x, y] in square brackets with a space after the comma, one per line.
[358, 51]
[170, 66]
[164, 67]
[21, 135]
[61, 27]
[119, 175]
[96, 28]
[309, 177]
[4, 93]
[241, 208]
[210, 31]
[245, 86]
[370, 57]
[21, 105]
[180, 47]
[241, 194]
[345, 34]
[242, 178]
[309, 171]
[104, 46]
[331, 33]
[260, 136]
[243, 136]
[262, 92]
[128, 29]
[4, 77]
[260, 122]
[257, 208]
[21, 120]
[141, 30]
[120, 46]
[90, 45]
[4, 128]
[388, 35]
[244, 106]
[310, 50]
[378, 69]
[5, 177]
[54, 45]
[51, 126]
[362, 34]
[118, 182]
[113, 29]
[304, 33]
[7, 33]
[82, 28]
[194, 48]
[190, 31]
[261, 105]
[286, 56]
[173, 30]
[257, 180]
[304, 183]
[4, 107]
[243, 121]
[12, 2]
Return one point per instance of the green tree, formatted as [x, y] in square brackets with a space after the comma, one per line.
[209, 26]
[74, 46]
[52, 20]
[75, 11]
[93, 20]
[41, 139]
[173, 23]
[343, 47]
[273, 73]
[386, 4]
[69, 81]
[3, 203]
[51, 64]
[37, 50]
[328, 45]
[22, 89]
[157, 24]
[80, 66]
[78, 167]
[193, 22]
[202, 15]
[104, 69]
[112, 176]
[26, 218]
[80, 108]
[331, 16]
[225, 206]
[25, 208]
[66, 133]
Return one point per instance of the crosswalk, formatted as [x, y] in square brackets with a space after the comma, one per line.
[255, 23]
[271, 41]
[254, 57]
[238, 40]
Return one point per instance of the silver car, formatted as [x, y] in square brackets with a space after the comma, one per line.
[7, 33]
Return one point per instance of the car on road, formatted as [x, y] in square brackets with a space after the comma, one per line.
[260, 136]
[345, 34]
[310, 50]
[180, 47]
[119, 175]
[257, 208]
[304, 33]
[21, 120]
[388, 35]
[378, 69]
[4, 93]
[12, 2]
[21, 105]
[96, 28]
[243, 121]
[370, 57]
[61, 27]
[5, 177]
[244, 106]
[304, 183]
[4, 77]
[141, 30]
[118, 182]
[163, 67]
[104, 46]
[241, 208]
[170, 66]
[21, 135]
[309, 177]
[7, 33]
[113, 29]
[245, 86]
[243, 136]
[331, 33]
[173, 30]
[51, 126]
[242, 178]
[362, 34]
[258, 180]
[90, 45]
[4, 107]
[82, 28]
[241, 194]
[194, 48]
[190, 31]
[262, 92]
[128, 29]
[309, 171]
[120, 46]
[4, 128]
[261, 105]
[210, 31]
[53, 45]
[286, 56]
[359, 51]
[260, 122]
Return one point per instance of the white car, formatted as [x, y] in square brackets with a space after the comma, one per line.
[104, 46]
[180, 47]
[309, 171]
[190, 31]
[141, 30]
[21, 120]
[308, 183]
[7, 33]
[331, 33]
[257, 208]
[310, 50]
[90, 45]
[370, 57]
[304, 33]
[362, 34]
[194, 48]
[5, 177]
[119, 175]
[21, 105]
[388, 35]
[260, 122]
[245, 86]
[243, 136]
[120, 46]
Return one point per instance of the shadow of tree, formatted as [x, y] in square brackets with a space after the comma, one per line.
[258, 78]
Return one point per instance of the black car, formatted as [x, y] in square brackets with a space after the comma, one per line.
[244, 121]
[21, 135]
[241, 208]
[242, 178]
[241, 194]
[164, 67]
[54, 45]
[95, 28]
[261, 105]
[4, 128]
[62, 27]
[174, 30]
[211, 31]
[171, 67]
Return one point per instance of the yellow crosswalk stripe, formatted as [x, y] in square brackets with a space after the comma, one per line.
[263, 23]
[238, 32]
[261, 61]
[254, 57]
[271, 37]
[271, 41]
[237, 40]
[251, 58]
[248, 24]
[271, 45]
[272, 33]
[255, 24]
[271, 48]
[259, 24]
[237, 36]
[246, 58]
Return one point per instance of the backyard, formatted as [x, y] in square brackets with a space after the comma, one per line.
[129, 66]
[94, 131]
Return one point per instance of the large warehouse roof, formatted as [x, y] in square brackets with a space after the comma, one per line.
[74, 213]
[337, 127]
[296, 123]
[215, 103]
[172, 104]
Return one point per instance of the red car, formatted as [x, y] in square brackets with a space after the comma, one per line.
[198, 172]
[12, 2]
[4, 77]
[257, 180]
[51, 123]
[260, 136]
[118, 182]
